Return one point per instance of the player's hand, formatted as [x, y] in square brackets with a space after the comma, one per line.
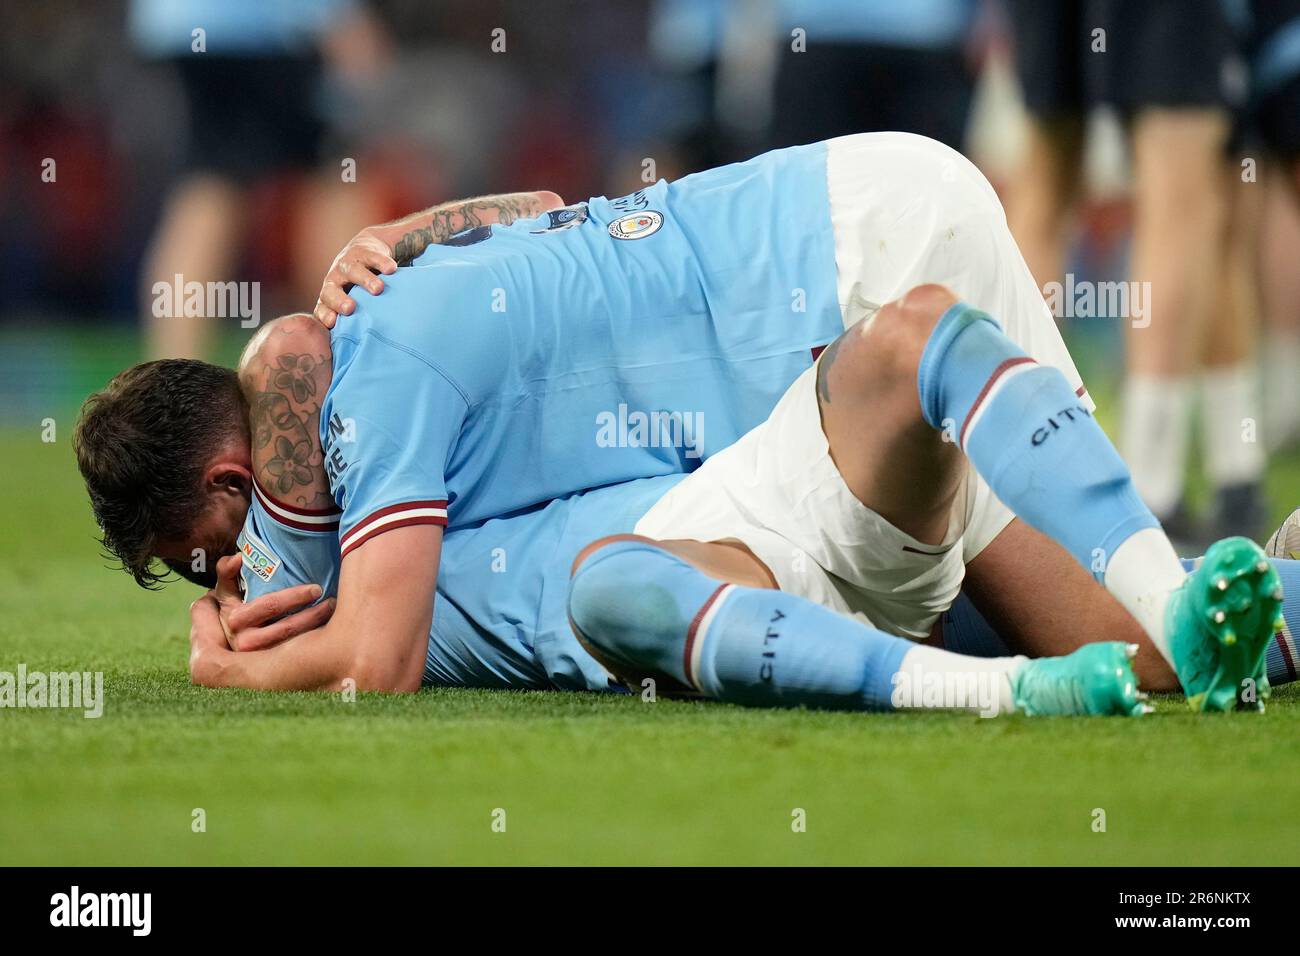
[269, 619]
[207, 642]
[362, 262]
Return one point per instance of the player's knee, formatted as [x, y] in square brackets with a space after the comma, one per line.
[898, 334]
[608, 592]
[925, 303]
[600, 543]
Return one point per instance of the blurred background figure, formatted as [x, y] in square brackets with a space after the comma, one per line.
[128, 157]
[253, 75]
[1171, 71]
[698, 50]
[867, 65]
[1275, 72]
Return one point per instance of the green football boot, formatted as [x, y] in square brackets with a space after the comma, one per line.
[1219, 625]
[1095, 679]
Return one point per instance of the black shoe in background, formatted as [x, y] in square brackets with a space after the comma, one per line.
[1240, 509]
[1189, 536]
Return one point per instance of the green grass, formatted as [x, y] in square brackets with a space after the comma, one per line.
[309, 779]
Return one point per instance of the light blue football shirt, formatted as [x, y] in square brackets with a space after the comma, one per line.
[538, 386]
[606, 342]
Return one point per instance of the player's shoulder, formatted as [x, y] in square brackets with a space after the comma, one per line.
[417, 331]
[280, 341]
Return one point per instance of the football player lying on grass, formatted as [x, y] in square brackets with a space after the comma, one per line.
[281, 544]
[475, 378]
[489, 656]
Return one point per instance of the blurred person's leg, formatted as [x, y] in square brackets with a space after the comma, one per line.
[1231, 432]
[199, 239]
[1277, 121]
[328, 213]
[1177, 255]
[1279, 251]
[249, 117]
[1043, 194]
[1048, 43]
[1166, 69]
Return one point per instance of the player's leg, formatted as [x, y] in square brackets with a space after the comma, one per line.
[1277, 120]
[1177, 253]
[1039, 601]
[1048, 44]
[197, 239]
[1042, 453]
[1023, 594]
[1279, 250]
[1044, 193]
[1232, 447]
[671, 612]
[1165, 71]
[905, 471]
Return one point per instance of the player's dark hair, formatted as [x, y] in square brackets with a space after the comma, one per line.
[142, 445]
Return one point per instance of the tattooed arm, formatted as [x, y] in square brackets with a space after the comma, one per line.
[379, 250]
[284, 373]
[417, 232]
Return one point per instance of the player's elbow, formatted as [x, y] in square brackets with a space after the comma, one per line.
[548, 199]
[206, 669]
[385, 673]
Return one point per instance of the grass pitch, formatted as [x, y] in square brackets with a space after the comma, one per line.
[309, 779]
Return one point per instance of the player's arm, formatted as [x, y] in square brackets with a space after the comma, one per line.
[270, 618]
[389, 467]
[377, 636]
[284, 373]
[379, 250]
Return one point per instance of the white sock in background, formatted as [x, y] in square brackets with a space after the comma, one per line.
[1155, 431]
[1231, 430]
[1281, 387]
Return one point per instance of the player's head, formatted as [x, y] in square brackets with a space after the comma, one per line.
[164, 450]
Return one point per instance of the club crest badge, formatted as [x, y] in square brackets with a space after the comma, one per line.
[636, 225]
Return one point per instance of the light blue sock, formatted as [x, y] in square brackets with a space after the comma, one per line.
[1282, 661]
[650, 610]
[1029, 436]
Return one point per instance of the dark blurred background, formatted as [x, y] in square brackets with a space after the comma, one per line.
[133, 149]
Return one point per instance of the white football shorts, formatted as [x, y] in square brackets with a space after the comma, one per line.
[906, 211]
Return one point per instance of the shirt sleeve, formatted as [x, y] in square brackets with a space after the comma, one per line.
[393, 421]
[283, 546]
